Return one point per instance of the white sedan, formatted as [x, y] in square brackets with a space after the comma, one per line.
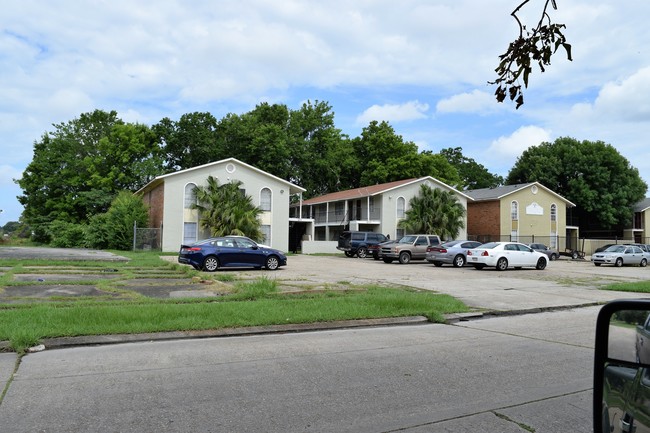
[503, 255]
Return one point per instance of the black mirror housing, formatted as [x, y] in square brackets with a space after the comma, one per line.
[622, 367]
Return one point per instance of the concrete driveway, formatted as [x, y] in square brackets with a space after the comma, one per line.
[26, 253]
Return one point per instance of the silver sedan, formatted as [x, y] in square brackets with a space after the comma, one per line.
[619, 255]
[452, 252]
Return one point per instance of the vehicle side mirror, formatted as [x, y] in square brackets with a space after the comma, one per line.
[622, 367]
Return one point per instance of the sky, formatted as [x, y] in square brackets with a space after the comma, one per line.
[421, 65]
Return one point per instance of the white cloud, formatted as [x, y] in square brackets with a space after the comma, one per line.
[394, 113]
[474, 102]
[504, 151]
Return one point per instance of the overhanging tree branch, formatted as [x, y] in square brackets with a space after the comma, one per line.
[535, 45]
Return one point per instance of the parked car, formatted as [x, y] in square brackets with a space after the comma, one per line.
[503, 255]
[550, 253]
[230, 251]
[375, 250]
[619, 255]
[603, 248]
[452, 252]
[409, 247]
[357, 243]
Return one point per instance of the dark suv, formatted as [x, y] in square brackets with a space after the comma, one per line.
[357, 243]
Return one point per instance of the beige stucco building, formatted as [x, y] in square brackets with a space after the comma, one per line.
[170, 199]
[527, 212]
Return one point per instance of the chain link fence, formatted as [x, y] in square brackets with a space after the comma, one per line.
[147, 239]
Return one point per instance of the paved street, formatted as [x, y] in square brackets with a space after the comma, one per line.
[514, 373]
[492, 375]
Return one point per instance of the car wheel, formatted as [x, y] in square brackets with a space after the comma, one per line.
[349, 254]
[574, 255]
[479, 267]
[437, 264]
[362, 252]
[375, 256]
[210, 264]
[619, 262]
[541, 263]
[597, 264]
[388, 260]
[554, 257]
[502, 264]
[459, 261]
[272, 263]
[404, 257]
[643, 263]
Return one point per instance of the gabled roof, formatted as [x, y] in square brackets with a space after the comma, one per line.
[487, 194]
[643, 205]
[373, 190]
[292, 187]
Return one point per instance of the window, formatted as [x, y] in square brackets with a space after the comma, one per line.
[371, 203]
[338, 208]
[190, 196]
[401, 204]
[265, 199]
[190, 233]
[514, 211]
[553, 212]
[266, 234]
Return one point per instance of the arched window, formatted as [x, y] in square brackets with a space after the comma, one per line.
[514, 211]
[265, 199]
[401, 207]
[553, 212]
[190, 196]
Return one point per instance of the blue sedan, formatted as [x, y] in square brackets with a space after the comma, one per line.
[230, 251]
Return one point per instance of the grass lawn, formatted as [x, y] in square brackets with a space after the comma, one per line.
[637, 286]
[25, 321]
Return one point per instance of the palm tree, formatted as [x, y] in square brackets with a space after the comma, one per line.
[226, 210]
[434, 211]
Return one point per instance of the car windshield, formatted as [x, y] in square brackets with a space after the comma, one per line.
[615, 249]
[407, 239]
[450, 244]
[488, 246]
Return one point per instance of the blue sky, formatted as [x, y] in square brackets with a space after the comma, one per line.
[422, 65]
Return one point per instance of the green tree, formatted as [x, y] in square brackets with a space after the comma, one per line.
[190, 141]
[383, 156]
[116, 225]
[472, 174]
[434, 211]
[318, 157]
[591, 174]
[225, 210]
[79, 168]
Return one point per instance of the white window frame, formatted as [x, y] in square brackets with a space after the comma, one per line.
[266, 199]
[401, 207]
[189, 196]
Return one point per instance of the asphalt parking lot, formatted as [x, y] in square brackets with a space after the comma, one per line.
[564, 282]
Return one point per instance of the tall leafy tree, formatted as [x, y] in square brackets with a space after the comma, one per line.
[318, 157]
[472, 174]
[592, 174]
[225, 210]
[78, 168]
[190, 141]
[434, 211]
[383, 156]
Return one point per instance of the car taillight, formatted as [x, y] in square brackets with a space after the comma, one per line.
[191, 249]
[485, 253]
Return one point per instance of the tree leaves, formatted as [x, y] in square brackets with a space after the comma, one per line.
[538, 45]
